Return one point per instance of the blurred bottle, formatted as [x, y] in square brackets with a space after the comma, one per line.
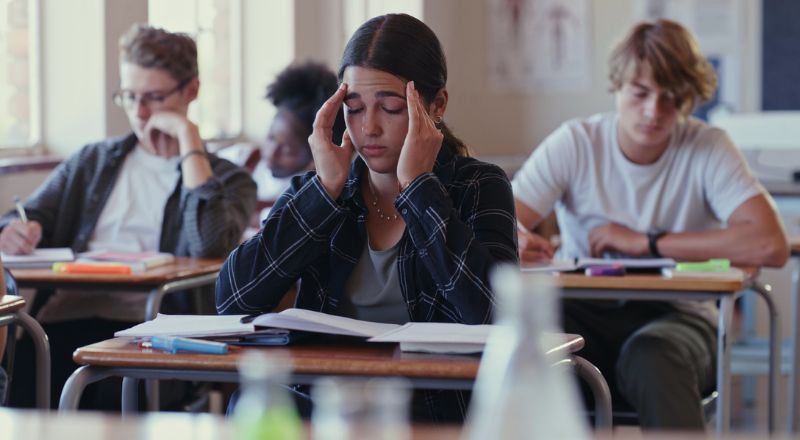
[518, 393]
[265, 410]
[350, 409]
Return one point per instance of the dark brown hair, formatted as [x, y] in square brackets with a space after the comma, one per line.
[403, 46]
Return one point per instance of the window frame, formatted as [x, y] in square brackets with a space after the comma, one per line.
[34, 144]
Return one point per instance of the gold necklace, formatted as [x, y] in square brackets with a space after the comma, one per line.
[382, 215]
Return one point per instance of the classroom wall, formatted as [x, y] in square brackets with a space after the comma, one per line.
[512, 124]
[493, 124]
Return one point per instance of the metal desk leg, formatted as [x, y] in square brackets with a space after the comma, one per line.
[154, 305]
[602, 395]
[130, 395]
[152, 392]
[73, 388]
[42, 347]
[724, 365]
[774, 353]
[794, 380]
[157, 294]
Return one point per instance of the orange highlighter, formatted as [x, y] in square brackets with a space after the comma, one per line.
[92, 268]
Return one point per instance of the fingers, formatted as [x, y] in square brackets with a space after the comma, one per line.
[530, 242]
[532, 256]
[19, 238]
[418, 118]
[347, 143]
[326, 115]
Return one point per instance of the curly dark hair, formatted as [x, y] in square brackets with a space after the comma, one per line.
[406, 47]
[301, 89]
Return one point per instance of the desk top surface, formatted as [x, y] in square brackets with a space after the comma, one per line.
[367, 359]
[651, 282]
[11, 303]
[183, 267]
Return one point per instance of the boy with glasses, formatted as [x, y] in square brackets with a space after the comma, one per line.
[645, 181]
[155, 189]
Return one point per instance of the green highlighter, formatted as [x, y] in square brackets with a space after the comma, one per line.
[713, 265]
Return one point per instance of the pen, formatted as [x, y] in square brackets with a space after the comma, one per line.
[173, 345]
[522, 227]
[20, 210]
[249, 318]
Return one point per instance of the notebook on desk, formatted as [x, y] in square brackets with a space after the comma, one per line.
[137, 261]
[290, 325]
[654, 265]
[41, 258]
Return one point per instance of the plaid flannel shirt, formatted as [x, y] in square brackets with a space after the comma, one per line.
[459, 223]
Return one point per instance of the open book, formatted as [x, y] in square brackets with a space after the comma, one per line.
[414, 336]
[635, 264]
[40, 258]
[137, 261]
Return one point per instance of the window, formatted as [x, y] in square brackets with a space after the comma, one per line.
[356, 12]
[215, 25]
[19, 74]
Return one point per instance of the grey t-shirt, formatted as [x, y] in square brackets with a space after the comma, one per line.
[373, 289]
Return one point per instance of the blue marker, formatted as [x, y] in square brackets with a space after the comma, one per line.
[173, 345]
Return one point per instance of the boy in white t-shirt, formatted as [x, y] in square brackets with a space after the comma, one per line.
[649, 181]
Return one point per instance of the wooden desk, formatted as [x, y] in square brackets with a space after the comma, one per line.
[185, 273]
[121, 357]
[657, 288]
[12, 312]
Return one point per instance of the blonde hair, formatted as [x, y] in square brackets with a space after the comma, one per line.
[155, 48]
[674, 57]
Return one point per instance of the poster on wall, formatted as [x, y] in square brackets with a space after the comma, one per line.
[718, 26]
[539, 45]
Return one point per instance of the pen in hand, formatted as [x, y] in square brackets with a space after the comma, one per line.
[20, 210]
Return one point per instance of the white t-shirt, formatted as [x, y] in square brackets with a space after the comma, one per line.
[130, 221]
[580, 171]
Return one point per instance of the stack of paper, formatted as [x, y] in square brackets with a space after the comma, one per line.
[40, 258]
[137, 261]
[581, 263]
[437, 337]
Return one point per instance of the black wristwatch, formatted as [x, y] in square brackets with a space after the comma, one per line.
[652, 240]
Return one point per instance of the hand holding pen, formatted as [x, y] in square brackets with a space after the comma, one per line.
[20, 236]
[533, 248]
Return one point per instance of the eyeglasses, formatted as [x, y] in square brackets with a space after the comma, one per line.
[128, 99]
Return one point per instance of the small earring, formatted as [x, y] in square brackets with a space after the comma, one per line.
[438, 120]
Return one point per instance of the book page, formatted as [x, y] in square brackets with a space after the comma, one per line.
[309, 320]
[437, 332]
[189, 326]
